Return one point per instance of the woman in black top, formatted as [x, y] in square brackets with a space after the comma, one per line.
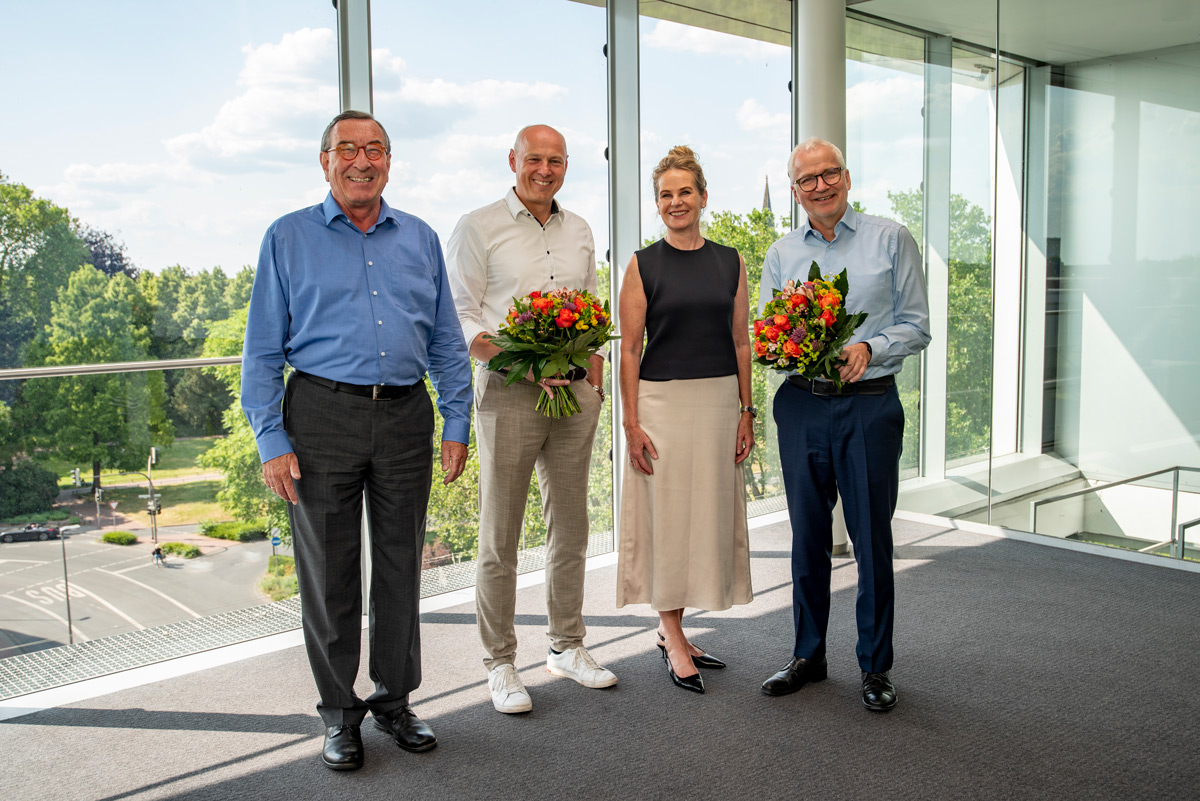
[684, 540]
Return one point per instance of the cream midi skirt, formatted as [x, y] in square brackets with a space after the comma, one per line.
[684, 541]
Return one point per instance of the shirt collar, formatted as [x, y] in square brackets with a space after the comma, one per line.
[332, 211]
[849, 221]
[516, 207]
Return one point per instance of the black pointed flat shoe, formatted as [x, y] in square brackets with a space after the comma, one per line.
[702, 661]
[693, 683]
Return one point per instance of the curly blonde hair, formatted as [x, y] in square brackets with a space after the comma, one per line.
[680, 157]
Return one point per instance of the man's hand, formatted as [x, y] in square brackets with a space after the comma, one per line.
[855, 359]
[548, 382]
[454, 459]
[279, 473]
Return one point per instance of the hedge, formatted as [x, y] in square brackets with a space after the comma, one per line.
[235, 530]
[26, 488]
[119, 537]
[181, 549]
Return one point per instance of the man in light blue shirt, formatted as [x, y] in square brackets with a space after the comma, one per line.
[846, 440]
[353, 294]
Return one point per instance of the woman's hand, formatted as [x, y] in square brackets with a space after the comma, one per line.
[745, 437]
[638, 446]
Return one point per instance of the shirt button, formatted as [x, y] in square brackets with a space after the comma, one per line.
[382, 353]
[370, 264]
[380, 322]
[373, 292]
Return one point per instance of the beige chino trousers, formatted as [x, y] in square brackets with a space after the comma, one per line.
[513, 439]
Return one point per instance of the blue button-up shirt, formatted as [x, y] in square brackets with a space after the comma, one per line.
[883, 267]
[361, 308]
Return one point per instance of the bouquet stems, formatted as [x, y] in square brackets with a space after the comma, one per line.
[563, 404]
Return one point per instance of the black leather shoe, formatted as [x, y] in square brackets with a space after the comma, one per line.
[878, 692]
[694, 683]
[702, 661]
[343, 748]
[796, 674]
[409, 731]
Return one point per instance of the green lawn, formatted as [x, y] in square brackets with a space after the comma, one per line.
[177, 460]
[181, 503]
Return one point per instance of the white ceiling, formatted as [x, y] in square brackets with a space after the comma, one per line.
[1054, 31]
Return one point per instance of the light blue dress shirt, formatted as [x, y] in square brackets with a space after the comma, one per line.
[887, 281]
[361, 308]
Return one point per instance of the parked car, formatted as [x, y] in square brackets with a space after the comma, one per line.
[30, 532]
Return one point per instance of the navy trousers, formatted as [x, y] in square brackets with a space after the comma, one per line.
[347, 444]
[849, 444]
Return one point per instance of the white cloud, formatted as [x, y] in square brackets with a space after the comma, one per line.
[754, 116]
[487, 93]
[890, 98]
[674, 37]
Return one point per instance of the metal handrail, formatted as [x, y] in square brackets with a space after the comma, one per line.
[1181, 528]
[1175, 541]
[60, 371]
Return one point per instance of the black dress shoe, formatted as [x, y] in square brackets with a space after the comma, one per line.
[409, 731]
[694, 683]
[878, 692]
[796, 674]
[702, 661]
[343, 748]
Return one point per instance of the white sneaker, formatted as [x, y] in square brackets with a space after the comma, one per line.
[508, 693]
[577, 664]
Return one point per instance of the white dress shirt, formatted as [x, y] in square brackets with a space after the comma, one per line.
[501, 251]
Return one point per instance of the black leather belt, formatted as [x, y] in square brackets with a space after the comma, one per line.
[372, 391]
[873, 386]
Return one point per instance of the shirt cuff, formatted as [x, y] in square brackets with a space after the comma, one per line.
[456, 431]
[273, 445]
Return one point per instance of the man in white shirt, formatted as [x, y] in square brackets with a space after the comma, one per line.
[522, 243]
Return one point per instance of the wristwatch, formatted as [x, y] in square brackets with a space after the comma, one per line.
[599, 391]
[751, 409]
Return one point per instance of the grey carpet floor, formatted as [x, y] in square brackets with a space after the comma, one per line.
[1024, 672]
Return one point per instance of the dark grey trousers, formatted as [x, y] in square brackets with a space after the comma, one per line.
[347, 445]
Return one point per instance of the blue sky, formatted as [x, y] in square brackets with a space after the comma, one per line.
[185, 129]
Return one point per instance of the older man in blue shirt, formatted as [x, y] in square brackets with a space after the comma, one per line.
[353, 295]
[846, 440]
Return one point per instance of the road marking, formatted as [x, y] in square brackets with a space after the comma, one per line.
[109, 606]
[34, 561]
[151, 589]
[79, 635]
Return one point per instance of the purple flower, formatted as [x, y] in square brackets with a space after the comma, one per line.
[524, 317]
[799, 333]
[569, 306]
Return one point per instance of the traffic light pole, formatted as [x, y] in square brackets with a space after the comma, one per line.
[152, 504]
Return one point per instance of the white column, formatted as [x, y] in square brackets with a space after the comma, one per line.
[624, 180]
[935, 187]
[354, 54]
[819, 109]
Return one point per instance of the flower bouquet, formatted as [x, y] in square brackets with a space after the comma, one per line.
[549, 334]
[805, 326]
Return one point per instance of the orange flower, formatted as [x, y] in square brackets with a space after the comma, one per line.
[566, 318]
[760, 348]
[542, 305]
[781, 321]
[759, 325]
[827, 318]
[790, 348]
[828, 301]
[771, 333]
[535, 294]
[798, 301]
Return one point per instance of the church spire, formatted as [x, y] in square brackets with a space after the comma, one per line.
[766, 193]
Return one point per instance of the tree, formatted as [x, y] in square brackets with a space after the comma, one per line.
[968, 322]
[237, 291]
[106, 254]
[102, 419]
[24, 221]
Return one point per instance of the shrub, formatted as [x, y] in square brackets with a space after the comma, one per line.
[181, 549]
[235, 530]
[26, 488]
[55, 517]
[280, 582]
[119, 537]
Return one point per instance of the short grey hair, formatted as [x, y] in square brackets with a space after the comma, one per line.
[352, 114]
[810, 144]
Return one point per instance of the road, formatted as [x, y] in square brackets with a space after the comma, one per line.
[115, 588]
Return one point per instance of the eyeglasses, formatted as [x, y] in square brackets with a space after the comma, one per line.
[831, 177]
[350, 152]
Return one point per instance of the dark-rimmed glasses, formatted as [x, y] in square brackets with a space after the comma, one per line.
[350, 152]
[831, 177]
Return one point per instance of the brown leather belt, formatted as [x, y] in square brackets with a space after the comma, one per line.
[873, 386]
[372, 391]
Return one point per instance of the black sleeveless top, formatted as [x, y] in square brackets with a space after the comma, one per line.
[689, 311]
